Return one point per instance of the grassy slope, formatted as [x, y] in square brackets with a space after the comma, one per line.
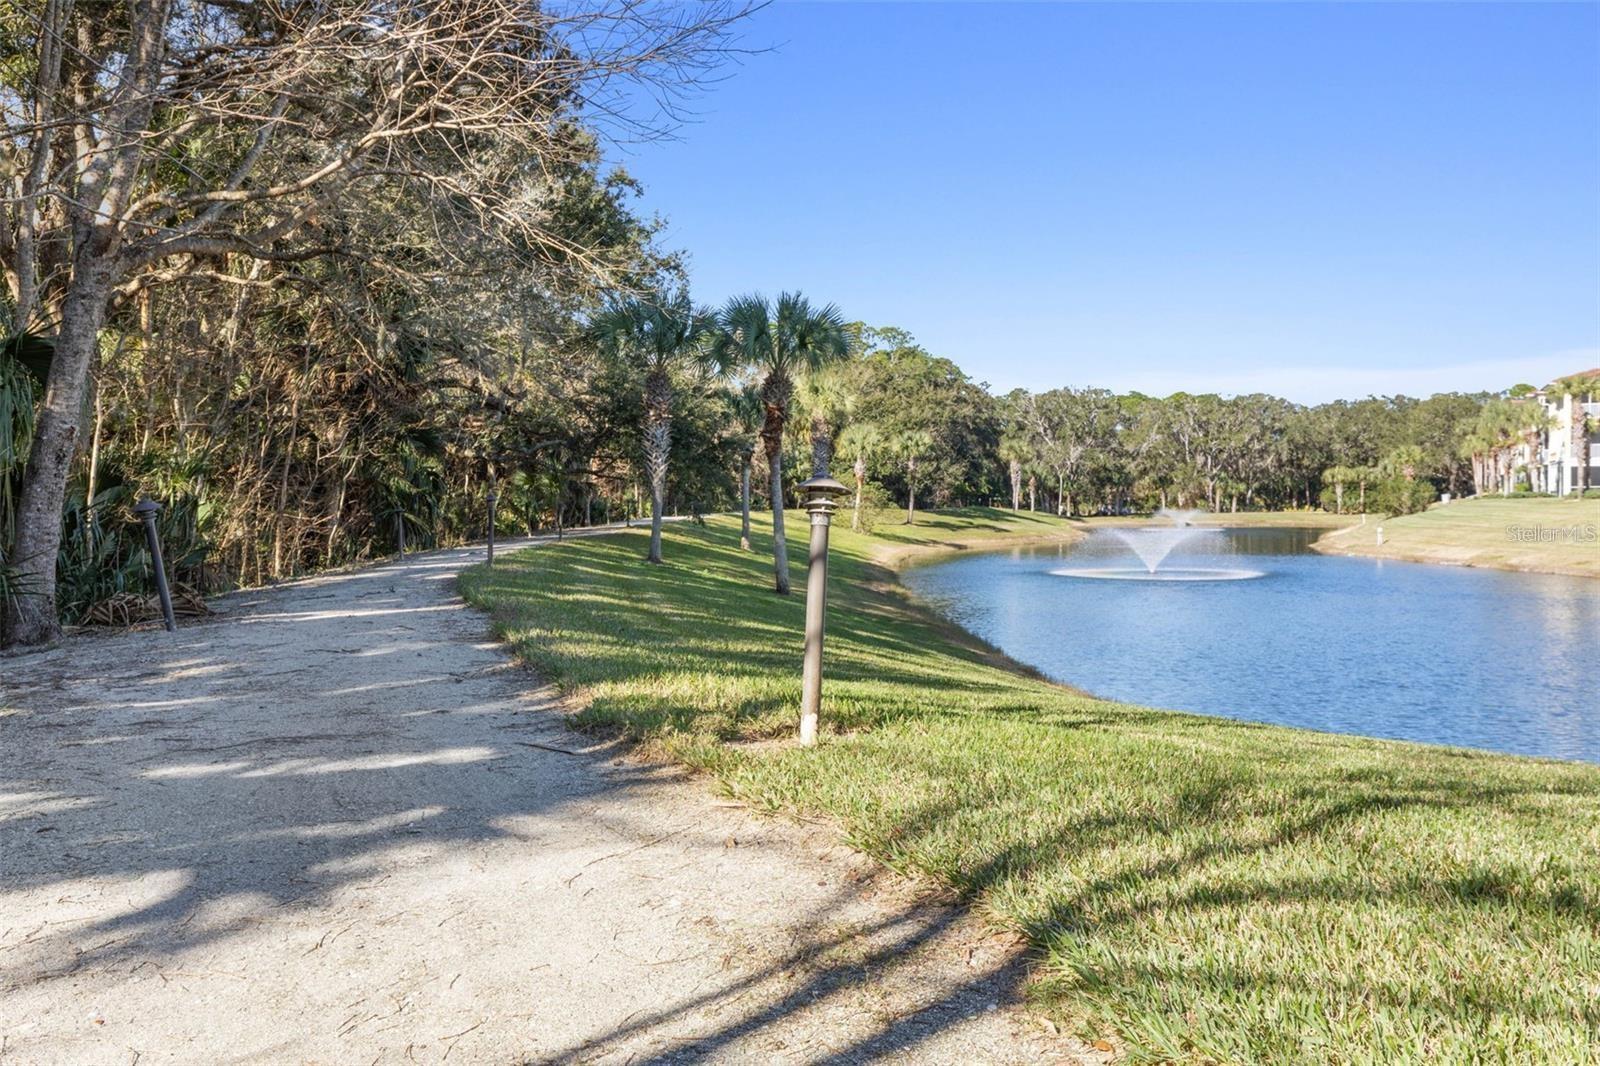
[1477, 532]
[1198, 889]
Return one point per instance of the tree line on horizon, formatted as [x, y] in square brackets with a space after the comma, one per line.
[318, 315]
[917, 427]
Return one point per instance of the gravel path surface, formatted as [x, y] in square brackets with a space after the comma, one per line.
[336, 824]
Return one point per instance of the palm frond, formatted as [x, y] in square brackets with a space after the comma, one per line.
[656, 333]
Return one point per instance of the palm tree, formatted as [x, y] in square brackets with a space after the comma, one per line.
[1534, 420]
[1016, 454]
[656, 336]
[827, 397]
[1403, 462]
[1362, 475]
[858, 441]
[1475, 445]
[746, 405]
[910, 446]
[1494, 436]
[1338, 475]
[782, 340]
[1581, 388]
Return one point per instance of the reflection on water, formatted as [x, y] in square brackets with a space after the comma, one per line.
[1450, 655]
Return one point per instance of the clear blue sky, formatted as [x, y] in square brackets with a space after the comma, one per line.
[1313, 200]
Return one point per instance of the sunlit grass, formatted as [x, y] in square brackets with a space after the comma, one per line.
[1515, 533]
[1199, 889]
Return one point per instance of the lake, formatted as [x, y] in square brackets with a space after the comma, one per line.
[1448, 655]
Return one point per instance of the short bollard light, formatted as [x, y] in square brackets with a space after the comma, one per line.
[1380, 536]
[821, 493]
[492, 498]
[147, 509]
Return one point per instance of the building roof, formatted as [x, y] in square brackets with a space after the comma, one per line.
[1592, 372]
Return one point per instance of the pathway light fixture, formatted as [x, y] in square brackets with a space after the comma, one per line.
[821, 496]
[147, 509]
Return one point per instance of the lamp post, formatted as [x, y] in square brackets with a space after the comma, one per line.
[492, 499]
[820, 502]
[147, 509]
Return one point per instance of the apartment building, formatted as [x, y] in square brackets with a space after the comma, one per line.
[1551, 460]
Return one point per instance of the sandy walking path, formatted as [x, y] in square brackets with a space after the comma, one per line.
[337, 825]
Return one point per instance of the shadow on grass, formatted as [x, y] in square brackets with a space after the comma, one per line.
[1148, 854]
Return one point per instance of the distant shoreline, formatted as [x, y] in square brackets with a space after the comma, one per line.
[1488, 532]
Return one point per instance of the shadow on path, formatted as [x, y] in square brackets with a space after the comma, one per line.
[335, 822]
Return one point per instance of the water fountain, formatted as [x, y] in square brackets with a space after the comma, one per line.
[1152, 544]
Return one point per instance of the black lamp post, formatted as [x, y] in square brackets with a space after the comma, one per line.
[821, 493]
[147, 509]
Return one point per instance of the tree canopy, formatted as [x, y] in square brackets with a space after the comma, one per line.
[314, 277]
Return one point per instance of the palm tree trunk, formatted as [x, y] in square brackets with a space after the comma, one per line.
[1580, 438]
[1016, 485]
[657, 447]
[911, 491]
[821, 446]
[775, 393]
[780, 545]
[744, 502]
[861, 477]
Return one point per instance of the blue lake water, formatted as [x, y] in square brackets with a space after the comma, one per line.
[1448, 655]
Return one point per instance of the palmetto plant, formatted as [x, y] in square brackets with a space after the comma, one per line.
[781, 340]
[17, 395]
[24, 359]
[656, 336]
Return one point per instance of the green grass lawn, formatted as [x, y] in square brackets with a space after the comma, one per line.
[1484, 532]
[1198, 889]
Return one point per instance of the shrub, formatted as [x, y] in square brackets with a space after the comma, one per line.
[876, 507]
[1400, 496]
